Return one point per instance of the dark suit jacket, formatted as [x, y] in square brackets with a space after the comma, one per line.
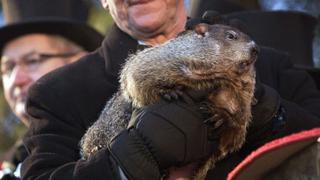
[66, 102]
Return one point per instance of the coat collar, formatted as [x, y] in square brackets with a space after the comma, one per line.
[115, 49]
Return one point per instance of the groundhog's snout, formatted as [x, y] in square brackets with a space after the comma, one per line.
[254, 50]
[246, 65]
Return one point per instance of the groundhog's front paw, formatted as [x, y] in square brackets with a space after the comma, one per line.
[173, 94]
[218, 122]
[221, 128]
[218, 118]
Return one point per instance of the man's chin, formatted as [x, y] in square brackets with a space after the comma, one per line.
[147, 23]
[145, 33]
[145, 28]
[21, 113]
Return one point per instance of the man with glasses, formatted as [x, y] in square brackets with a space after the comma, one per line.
[35, 41]
[23, 63]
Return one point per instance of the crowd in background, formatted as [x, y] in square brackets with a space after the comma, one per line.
[305, 49]
[11, 128]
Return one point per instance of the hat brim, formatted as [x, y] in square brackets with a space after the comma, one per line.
[79, 33]
[272, 154]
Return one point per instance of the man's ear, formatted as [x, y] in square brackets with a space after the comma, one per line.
[104, 4]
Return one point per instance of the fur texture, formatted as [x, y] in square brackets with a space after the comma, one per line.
[216, 57]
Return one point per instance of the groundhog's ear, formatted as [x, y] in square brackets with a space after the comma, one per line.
[196, 25]
[201, 28]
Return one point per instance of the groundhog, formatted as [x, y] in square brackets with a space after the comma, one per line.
[218, 58]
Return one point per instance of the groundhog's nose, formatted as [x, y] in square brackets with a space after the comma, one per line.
[254, 50]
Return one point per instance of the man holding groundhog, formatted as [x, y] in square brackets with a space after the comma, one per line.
[63, 108]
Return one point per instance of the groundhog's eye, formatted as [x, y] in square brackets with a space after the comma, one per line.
[231, 35]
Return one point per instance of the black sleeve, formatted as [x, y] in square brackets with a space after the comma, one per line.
[299, 100]
[62, 105]
[298, 87]
[53, 143]
[275, 69]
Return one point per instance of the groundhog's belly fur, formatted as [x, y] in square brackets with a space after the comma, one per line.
[217, 57]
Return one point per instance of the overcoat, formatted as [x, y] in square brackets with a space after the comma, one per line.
[64, 103]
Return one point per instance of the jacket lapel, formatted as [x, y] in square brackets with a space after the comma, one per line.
[115, 49]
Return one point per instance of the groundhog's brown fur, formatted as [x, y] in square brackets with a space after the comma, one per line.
[215, 57]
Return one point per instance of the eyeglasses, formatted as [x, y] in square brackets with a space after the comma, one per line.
[30, 61]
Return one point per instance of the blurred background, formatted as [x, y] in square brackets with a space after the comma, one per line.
[11, 128]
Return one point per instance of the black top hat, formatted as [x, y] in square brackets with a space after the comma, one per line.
[62, 17]
[288, 31]
[222, 6]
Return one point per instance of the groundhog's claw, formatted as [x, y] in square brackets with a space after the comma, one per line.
[173, 95]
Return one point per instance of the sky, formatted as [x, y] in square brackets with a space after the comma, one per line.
[1, 19]
[308, 6]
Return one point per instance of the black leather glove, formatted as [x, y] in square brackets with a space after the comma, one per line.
[160, 136]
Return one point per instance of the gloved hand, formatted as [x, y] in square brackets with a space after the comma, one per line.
[160, 136]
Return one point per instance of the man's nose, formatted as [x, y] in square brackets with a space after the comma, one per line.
[20, 76]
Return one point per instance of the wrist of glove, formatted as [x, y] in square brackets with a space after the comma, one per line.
[133, 156]
[267, 106]
[160, 136]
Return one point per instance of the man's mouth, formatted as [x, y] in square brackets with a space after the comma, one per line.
[137, 2]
